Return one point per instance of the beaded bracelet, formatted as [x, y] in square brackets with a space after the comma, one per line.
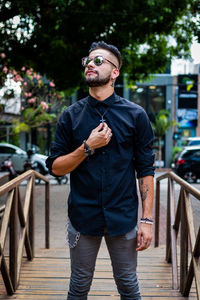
[146, 221]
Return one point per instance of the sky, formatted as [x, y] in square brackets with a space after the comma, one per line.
[181, 66]
[195, 52]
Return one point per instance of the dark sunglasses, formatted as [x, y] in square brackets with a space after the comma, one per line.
[98, 61]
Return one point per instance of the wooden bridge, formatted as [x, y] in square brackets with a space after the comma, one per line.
[165, 272]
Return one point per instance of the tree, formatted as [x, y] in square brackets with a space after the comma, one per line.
[52, 35]
[160, 126]
[39, 97]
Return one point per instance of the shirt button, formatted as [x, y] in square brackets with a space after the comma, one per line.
[103, 152]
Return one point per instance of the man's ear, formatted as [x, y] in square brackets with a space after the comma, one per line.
[115, 73]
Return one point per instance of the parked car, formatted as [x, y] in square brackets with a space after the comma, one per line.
[187, 163]
[192, 141]
[19, 157]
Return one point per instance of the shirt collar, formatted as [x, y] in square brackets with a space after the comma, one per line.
[107, 102]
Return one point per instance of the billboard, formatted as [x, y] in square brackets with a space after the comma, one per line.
[187, 100]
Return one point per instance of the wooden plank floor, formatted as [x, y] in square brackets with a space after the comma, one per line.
[47, 277]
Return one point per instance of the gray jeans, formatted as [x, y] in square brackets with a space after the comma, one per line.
[124, 262]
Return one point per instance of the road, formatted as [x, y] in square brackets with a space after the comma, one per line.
[58, 212]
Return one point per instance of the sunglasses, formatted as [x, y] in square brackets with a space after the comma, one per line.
[98, 61]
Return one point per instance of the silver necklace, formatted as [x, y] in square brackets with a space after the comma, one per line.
[102, 120]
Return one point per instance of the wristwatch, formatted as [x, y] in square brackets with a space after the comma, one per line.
[88, 151]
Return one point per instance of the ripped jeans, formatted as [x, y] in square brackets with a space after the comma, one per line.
[83, 258]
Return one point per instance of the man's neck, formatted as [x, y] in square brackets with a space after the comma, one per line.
[101, 92]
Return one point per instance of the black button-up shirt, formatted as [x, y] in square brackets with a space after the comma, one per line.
[103, 187]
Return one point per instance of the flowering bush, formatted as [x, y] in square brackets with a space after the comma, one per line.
[38, 96]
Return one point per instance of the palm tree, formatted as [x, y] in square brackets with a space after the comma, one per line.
[161, 125]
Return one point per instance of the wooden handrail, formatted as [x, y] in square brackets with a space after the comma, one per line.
[180, 218]
[19, 217]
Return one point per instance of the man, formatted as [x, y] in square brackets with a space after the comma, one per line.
[101, 141]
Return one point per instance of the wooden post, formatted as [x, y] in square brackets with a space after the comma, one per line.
[5, 276]
[47, 212]
[157, 214]
[168, 236]
[173, 237]
[184, 246]
[13, 240]
[31, 217]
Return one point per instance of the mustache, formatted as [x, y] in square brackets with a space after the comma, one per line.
[92, 71]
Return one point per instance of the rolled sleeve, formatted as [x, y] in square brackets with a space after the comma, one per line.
[61, 145]
[144, 157]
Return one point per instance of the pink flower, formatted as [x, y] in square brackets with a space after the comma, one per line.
[14, 72]
[27, 94]
[25, 83]
[22, 108]
[23, 69]
[18, 78]
[51, 84]
[28, 72]
[44, 105]
[32, 100]
[38, 77]
[5, 69]
[3, 55]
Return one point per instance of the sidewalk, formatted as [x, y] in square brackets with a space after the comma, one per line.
[58, 215]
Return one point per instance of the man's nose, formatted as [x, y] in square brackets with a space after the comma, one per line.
[91, 64]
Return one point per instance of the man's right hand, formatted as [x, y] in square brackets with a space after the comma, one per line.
[100, 136]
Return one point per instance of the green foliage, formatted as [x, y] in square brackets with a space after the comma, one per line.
[175, 150]
[39, 98]
[20, 126]
[162, 123]
[54, 35]
[160, 126]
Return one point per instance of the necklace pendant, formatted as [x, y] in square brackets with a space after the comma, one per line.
[102, 120]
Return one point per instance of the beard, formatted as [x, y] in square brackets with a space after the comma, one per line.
[94, 82]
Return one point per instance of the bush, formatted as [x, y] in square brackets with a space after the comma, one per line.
[175, 150]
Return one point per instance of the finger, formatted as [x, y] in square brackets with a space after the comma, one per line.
[105, 127]
[144, 245]
[108, 134]
[139, 239]
[98, 128]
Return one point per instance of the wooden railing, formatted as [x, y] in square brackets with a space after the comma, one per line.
[180, 217]
[19, 218]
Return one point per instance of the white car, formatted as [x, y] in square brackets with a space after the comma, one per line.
[192, 141]
[19, 158]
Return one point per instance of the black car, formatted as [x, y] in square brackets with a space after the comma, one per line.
[187, 164]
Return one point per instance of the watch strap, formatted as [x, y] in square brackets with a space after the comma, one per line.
[87, 150]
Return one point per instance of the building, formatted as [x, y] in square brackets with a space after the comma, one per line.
[178, 94]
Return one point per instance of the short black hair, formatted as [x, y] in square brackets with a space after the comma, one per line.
[111, 48]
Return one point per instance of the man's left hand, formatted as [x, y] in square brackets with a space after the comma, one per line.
[144, 236]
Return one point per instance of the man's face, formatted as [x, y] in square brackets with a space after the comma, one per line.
[99, 75]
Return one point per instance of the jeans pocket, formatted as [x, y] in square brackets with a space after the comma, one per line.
[131, 234]
[73, 235]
